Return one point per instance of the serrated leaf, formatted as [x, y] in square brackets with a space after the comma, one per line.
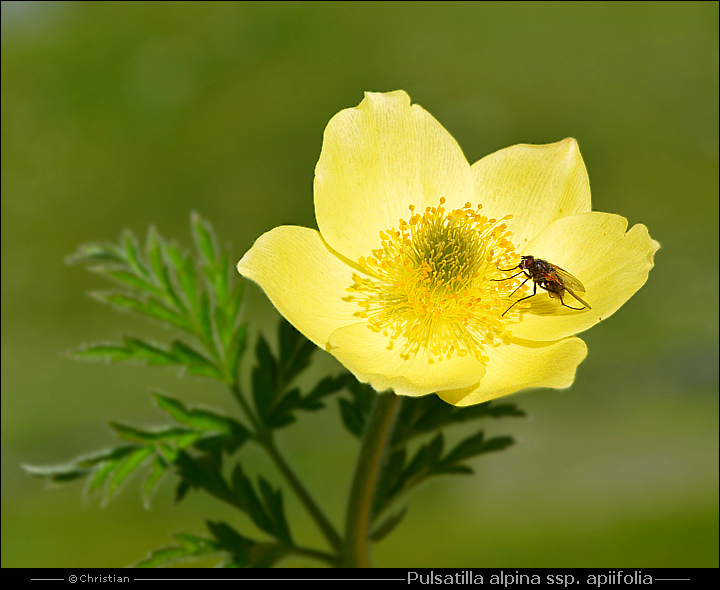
[152, 354]
[128, 278]
[425, 458]
[351, 417]
[184, 270]
[158, 310]
[467, 448]
[390, 480]
[387, 526]
[234, 304]
[325, 387]
[471, 447]
[100, 476]
[136, 435]
[426, 414]
[295, 351]
[196, 363]
[126, 467]
[56, 473]
[228, 539]
[204, 239]
[218, 276]
[100, 252]
[204, 474]
[132, 253]
[155, 250]
[181, 490]
[235, 351]
[114, 454]
[164, 555]
[200, 419]
[264, 378]
[248, 501]
[159, 468]
[187, 549]
[105, 352]
[148, 306]
[275, 511]
[206, 322]
[267, 554]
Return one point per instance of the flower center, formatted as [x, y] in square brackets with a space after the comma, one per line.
[435, 283]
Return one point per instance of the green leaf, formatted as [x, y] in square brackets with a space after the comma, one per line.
[184, 269]
[126, 467]
[229, 540]
[295, 351]
[155, 250]
[327, 386]
[114, 454]
[136, 435]
[204, 239]
[159, 468]
[150, 307]
[189, 546]
[204, 473]
[476, 445]
[264, 378]
[388, 526]
[129, 279]
[235, 352]
[101, 252]
[102, 472]
[201, 419]
[354, 412]
[196, 363]
[429, 413]
[152, 354]
[276, 512]
[107, 352]
[247, 500]
[132, 254]
[351, 417]
[56, 473]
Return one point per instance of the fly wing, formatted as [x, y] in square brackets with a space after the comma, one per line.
[576, 296]
[570, 282]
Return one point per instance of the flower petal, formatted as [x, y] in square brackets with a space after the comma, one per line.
[520, 365]
[369, 356]
[304, 278]
[537, 184]
[376, 160]
[611, 264]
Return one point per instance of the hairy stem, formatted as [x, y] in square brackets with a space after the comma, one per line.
[376, 438]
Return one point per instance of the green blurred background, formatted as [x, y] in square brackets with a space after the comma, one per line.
[123, 115]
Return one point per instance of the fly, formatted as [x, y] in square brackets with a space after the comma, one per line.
[548, 276]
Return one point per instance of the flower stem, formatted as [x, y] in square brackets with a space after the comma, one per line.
[377, 435]
[304, 496]
[265, 440]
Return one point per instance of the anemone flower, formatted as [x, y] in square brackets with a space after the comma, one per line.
[421, 276]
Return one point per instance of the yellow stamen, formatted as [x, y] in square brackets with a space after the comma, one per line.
[434, 284]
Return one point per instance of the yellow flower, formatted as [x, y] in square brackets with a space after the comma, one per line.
[407, 281]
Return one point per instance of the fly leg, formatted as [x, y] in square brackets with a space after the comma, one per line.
[508, 278]
[568, 306]
[522, 298]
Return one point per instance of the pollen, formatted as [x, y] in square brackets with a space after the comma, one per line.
[435, 284]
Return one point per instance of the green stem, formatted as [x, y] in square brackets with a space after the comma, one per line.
[240, 398]
[328, 558]
[304, 496]
[376, 438]
[265, 440]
